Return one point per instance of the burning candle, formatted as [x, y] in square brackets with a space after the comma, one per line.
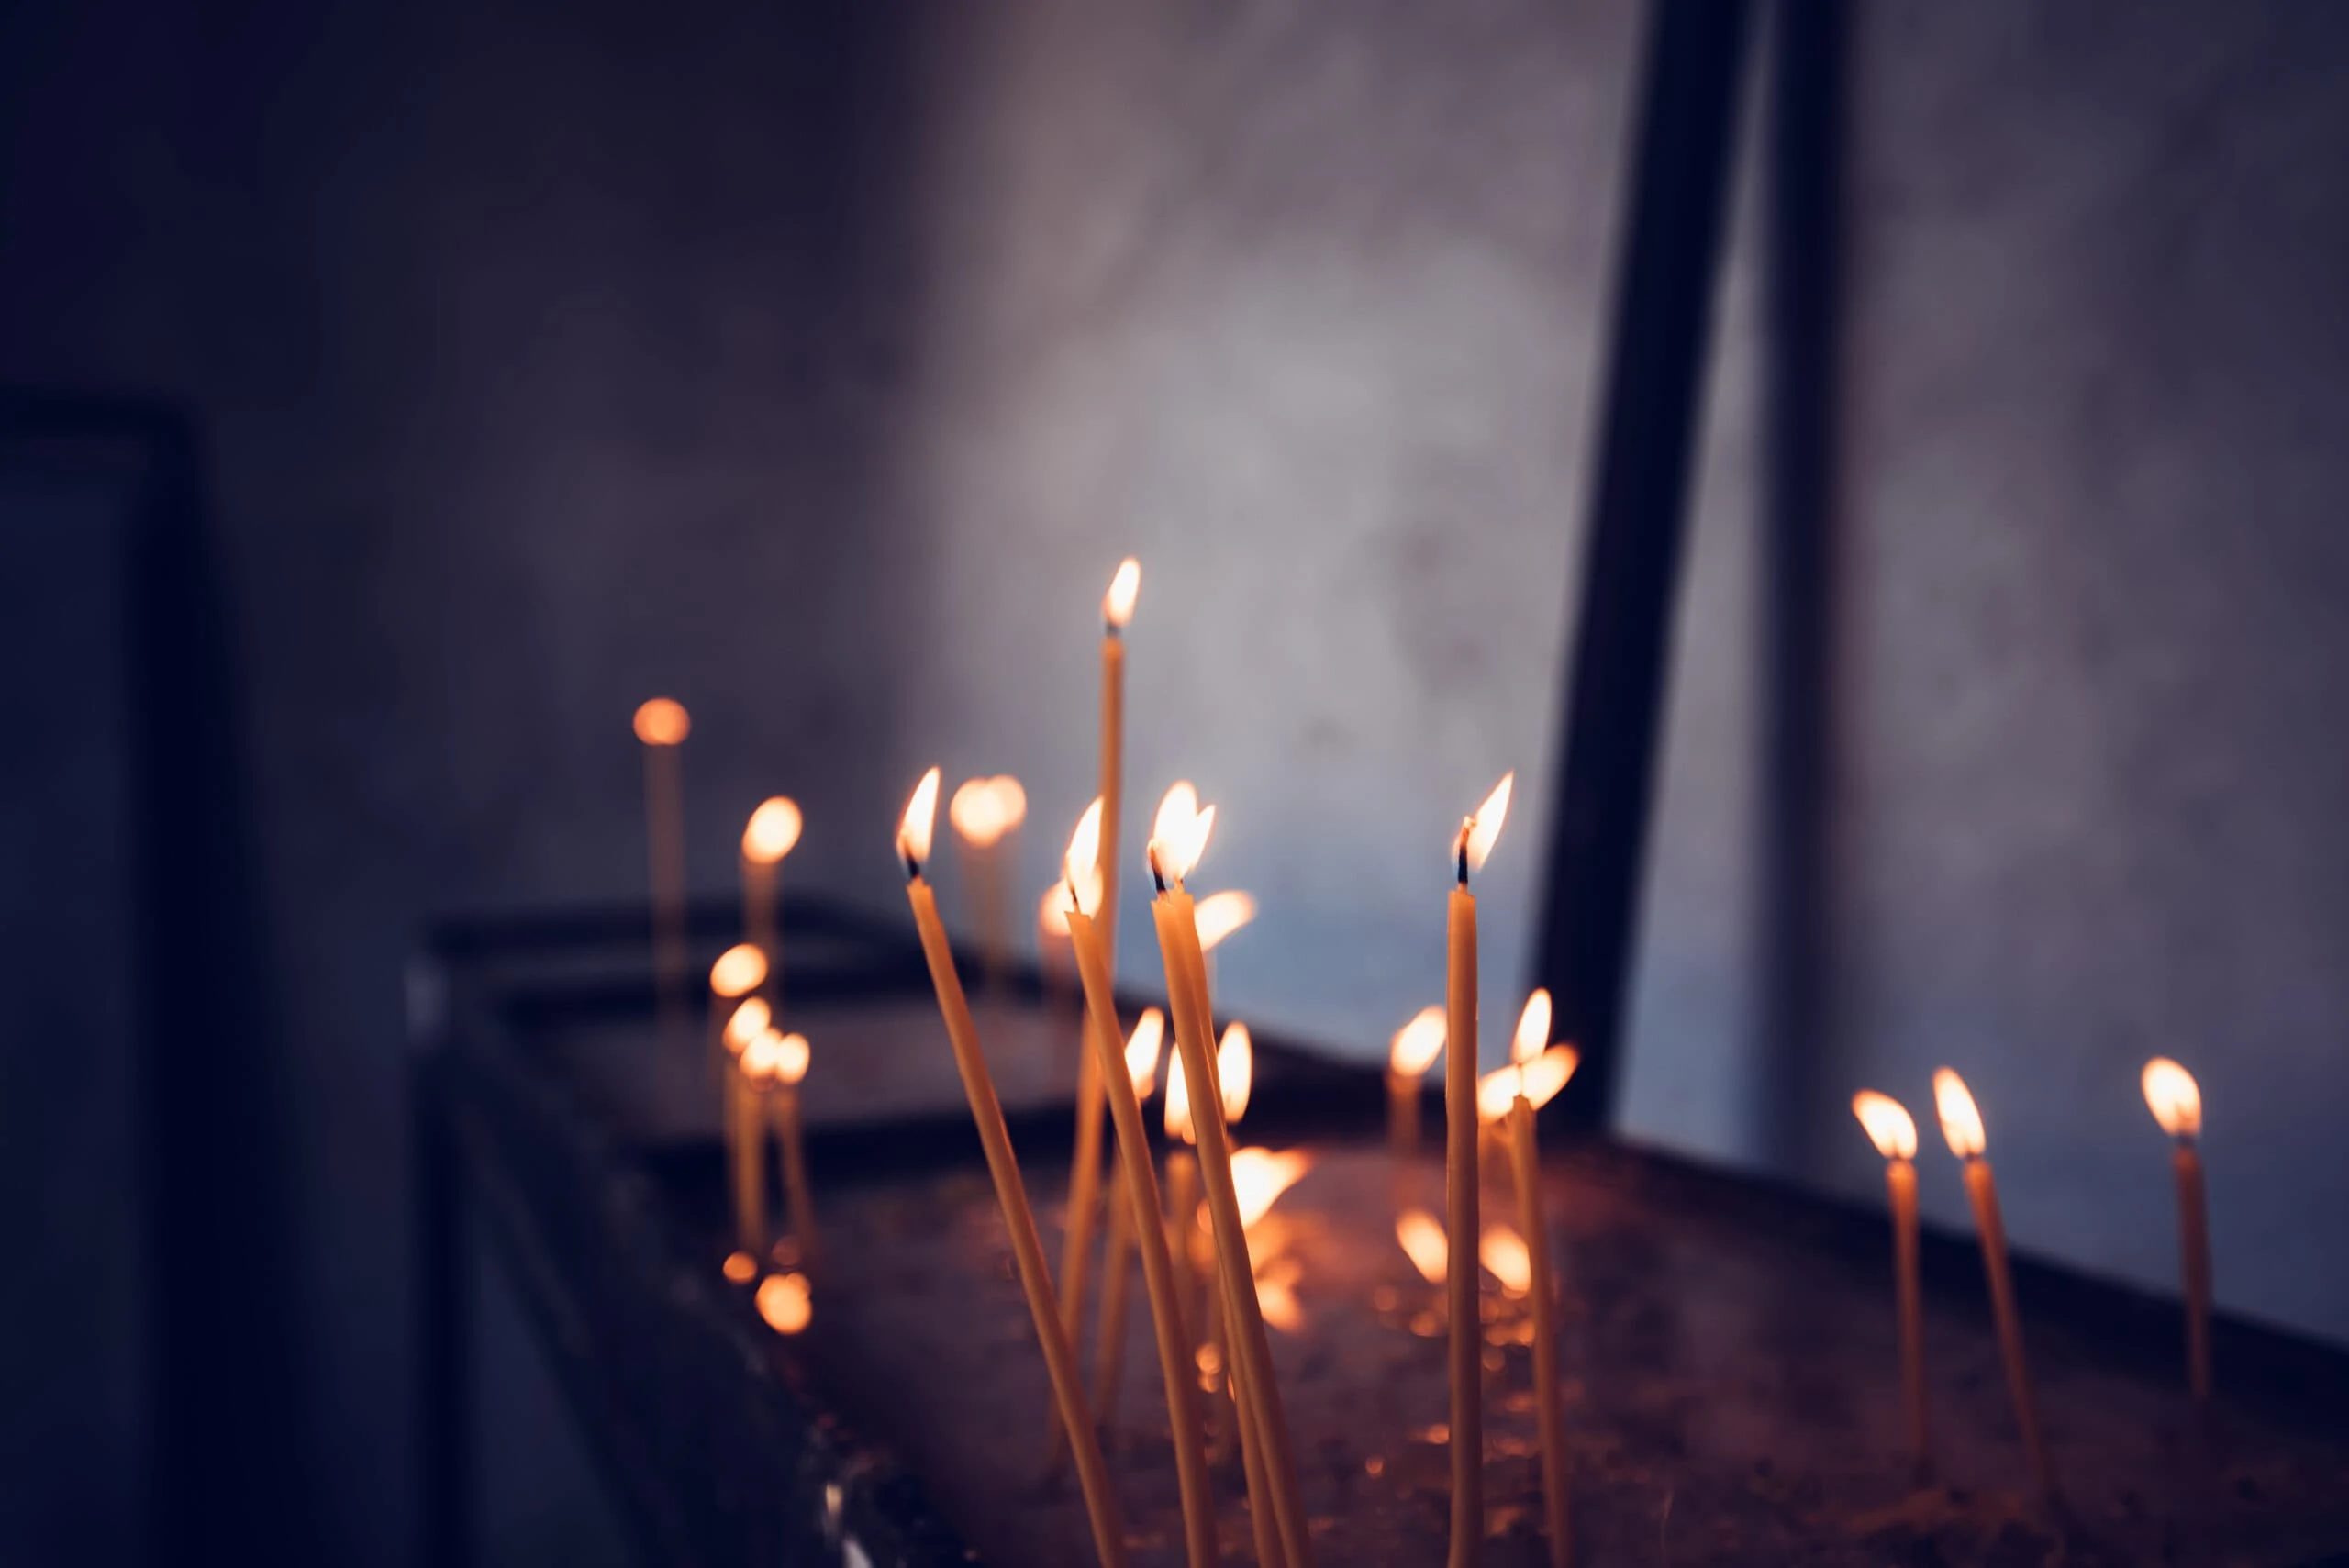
[1962, 1127]
[1085, 1170]
[758, 1065]
[785, 1303]
[773, 830]
[1175, 848]
[1125, 1082]
[1890, 1128]
[1474, 842]
[738, 972]
[1011, 1194]
[1053, 958]
[1409, 1056]
[2176, 1101]
[1526, 1051]
[661, 724]
[1109, 1330]
[984, 813]
[799, 1203]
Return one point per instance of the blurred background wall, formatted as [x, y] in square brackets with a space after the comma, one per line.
[815, 364]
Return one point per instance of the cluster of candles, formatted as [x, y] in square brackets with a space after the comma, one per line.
[1200, 1223]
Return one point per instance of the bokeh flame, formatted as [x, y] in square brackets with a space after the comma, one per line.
[1276, 1294]
[662, 722]
[791, 1058]
[740, 970]
[1538, 1079]
[984, 811]
[1417, 1045]
[785, 1303]
[1220, 913]
[921, 816]
[1484, 828]
[1422, 1238]
[1259, 1177]
[1890, 1125]
[2174, 1098]
[762, 1056]
[1961, 1118]
[748, 1020]
[1533, 1027]
[1178, 834]
[1125, 587]
[1081, 866]
[1141, 1052]
[1052, 910]
[740, 1267]
[1235, 1070]
[1506, 1257]
[1178, 1102]
[773, 831]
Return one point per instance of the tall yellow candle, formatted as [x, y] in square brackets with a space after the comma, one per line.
[1011, 1194]
[662, 725]
[1084, 1175]
[1139, 1184]
[1894, 1133]
[757, 1066]
[1525, 1168]
[773, 830]
[2176, 1101]
[1962, 1128]
[1474, 842]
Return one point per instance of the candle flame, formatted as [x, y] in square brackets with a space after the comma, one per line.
[763, 1055]
[740, 970]
[1235, 1070]
[1890, 1125]
[1422, 1237]
[662, 722]
[1081, 866]
[1220, 913]
[773, 829]
[785, 1303]
[1507, 1258]
[921, 816]
[1117, 603]
[1479, 833]
[1178, 1101]
[791, 1058]
[1532, 1028]
[1961, 1118]
[2174, 1098]
[1259, 1176]
[740, 1267]
[984, 811]
[1052, 910]
[1141, 1052]
[1417, 1045]
[1538, 1079]
[747, 1023]
[1178, 836]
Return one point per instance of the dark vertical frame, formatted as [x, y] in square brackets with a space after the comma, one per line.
[1666, 280]
[1803, 275]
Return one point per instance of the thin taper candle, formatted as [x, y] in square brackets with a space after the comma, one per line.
[1548, 1414]
[2175, 1100]
[1019, 1220]
[662, 725]
[1894, 1132]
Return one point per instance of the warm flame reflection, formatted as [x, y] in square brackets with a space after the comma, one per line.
[740, 970]
[1421, 1235]
[1276, 1294]
[1961, 1119]
[2174, 1098]
[1141, 1052]
[773, 830]
[750, 1020]
[662, 722]
[921, 816]
[1417, 1045]
[1178, 1102]
[791, 1058]
[785, 1302]
[1220, 913]
[1117, 603]
[1890, 1128]
[1538, 1079]
[1235, 1070]
[1259, 1176]
[1482, 829]
[1506, 1257]
[1533, 1027]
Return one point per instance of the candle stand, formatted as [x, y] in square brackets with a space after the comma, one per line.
[1731, 1382]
